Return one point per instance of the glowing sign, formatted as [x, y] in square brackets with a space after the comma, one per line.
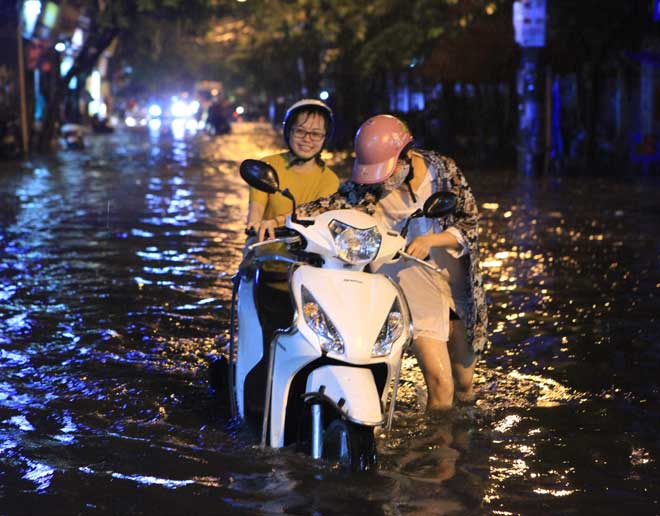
[529, 22]
[49, 17]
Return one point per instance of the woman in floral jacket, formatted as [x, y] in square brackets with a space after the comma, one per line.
[391, 180]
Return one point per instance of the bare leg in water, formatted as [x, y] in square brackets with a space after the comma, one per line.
[448, 368]
[433, 358]
[462, 360]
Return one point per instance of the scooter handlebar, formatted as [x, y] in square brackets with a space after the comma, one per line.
[418, 260]
[280, 232]
[283, 240]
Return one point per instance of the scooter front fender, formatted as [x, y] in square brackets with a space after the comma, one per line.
[351, 389]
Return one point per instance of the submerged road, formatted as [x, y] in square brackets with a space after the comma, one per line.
[115, 266]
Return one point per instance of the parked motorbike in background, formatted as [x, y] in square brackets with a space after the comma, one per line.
[320, 341]
[71, 136]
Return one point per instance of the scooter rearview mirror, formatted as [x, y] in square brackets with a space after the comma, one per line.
[260, 175]
[440, 204]
[263, 177]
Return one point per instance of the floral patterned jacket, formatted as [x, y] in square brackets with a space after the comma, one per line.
[465, 218]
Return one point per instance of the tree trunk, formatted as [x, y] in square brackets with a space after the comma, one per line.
[451, 123]
[592, 119]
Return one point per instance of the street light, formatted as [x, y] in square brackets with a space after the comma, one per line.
[31, 12]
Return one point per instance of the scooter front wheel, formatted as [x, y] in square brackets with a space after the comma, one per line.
[350, 445]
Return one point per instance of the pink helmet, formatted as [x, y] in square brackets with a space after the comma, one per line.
[378, 143]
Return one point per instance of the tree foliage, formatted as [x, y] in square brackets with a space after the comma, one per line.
[297, 47]
[276, 49]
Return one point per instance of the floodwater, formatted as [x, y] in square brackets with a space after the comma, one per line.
[115, 268]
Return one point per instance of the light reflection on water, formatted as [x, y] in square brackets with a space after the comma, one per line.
[114, 293]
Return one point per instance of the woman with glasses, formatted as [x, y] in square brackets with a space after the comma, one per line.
[307, 125]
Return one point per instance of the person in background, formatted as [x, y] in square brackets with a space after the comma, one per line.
[308, 124]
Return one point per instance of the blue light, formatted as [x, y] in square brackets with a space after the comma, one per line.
[324, 95]
[180, 109]
[155, 110]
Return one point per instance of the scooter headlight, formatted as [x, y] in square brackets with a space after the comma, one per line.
[354, 245]
[390, 332]
[320, 323]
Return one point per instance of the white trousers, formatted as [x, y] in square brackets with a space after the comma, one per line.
[429, 298]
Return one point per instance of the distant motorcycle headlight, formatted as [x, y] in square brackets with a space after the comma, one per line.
[390, 332]
[155, 110]
[354, 245]
[320, 323]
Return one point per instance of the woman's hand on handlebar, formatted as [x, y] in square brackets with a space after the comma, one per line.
[420, 247]
[264, 229]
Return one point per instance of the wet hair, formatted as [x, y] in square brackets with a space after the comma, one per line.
[403, 156]
[308, 111]
[295, 160]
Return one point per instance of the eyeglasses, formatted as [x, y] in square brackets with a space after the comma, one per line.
[301, 134]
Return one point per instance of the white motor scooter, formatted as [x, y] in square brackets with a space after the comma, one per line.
[320, 341]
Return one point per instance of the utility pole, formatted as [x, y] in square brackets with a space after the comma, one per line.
[21, 83]
[529, 25]
[647, 90]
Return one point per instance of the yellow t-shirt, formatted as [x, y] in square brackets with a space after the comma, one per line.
[305, 186]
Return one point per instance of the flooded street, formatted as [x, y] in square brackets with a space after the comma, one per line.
[115, 285]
